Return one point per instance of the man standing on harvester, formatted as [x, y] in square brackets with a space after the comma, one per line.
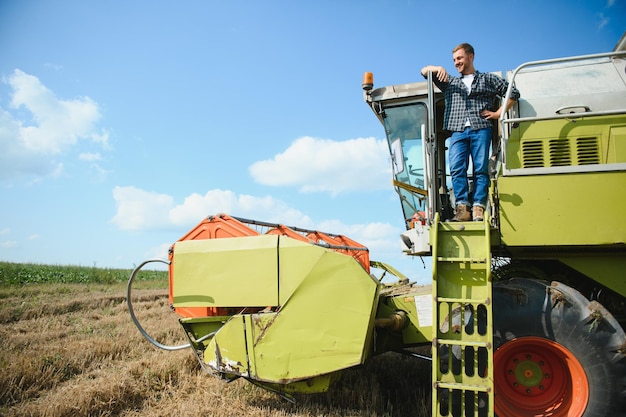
[471, 104]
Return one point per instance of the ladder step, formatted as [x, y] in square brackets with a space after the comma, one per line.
[486, 344]
[451, 227]
[462, 281]
[462, 260]
[461, 300]
[464, 387]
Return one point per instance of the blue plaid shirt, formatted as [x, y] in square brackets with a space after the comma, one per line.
[487, 92]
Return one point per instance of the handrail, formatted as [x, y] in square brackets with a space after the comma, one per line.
[504, 121]
[430, 148]
[565, 116]
[132, 312]
[509, 90]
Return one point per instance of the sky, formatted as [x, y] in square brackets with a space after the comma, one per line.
[124, 123]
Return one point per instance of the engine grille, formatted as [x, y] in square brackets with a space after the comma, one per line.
[560, 152]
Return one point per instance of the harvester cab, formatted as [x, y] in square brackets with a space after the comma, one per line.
[412, 117]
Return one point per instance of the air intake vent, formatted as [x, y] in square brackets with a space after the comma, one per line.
[560, 152]
[532, 154]
[587, 151]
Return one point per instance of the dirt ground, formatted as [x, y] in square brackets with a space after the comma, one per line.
[72, 350]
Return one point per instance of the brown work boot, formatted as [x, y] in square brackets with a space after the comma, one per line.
[478, 213]
[461, 214]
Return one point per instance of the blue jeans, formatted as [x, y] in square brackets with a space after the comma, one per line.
[463, 144]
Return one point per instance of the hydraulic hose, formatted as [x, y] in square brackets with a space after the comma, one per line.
[132, 312]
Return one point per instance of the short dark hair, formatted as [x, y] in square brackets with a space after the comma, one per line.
[469, 49]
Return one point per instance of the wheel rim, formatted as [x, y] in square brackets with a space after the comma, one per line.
[536, 376]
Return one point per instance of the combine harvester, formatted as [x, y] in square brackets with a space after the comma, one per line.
[526, 310]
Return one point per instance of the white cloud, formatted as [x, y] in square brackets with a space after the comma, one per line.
[138, 209]
[90, 157]
[50, 126]
[377, 236]
[322, 165]
[99, 173]
[101, 138]
[603, 20]
[53, 66]
[8, 244]
[158, 252]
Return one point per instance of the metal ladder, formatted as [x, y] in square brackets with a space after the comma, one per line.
[462, 319]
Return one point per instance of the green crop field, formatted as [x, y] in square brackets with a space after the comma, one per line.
[19, 274]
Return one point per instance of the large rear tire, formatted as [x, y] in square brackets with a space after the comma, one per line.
[557, 354]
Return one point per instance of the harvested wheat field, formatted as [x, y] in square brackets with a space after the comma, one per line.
[72, 350]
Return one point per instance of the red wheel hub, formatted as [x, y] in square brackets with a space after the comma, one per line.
[535, 376]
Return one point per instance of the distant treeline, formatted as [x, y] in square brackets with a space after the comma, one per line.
[18, 273]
